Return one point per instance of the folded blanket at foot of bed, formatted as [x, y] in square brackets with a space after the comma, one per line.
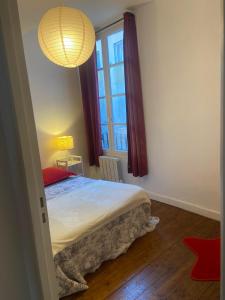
[107, 242]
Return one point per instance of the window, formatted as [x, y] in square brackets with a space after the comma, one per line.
[112, 97]
[118, 51]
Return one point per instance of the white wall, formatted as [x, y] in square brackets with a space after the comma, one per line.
[56, 101]
[179, 43]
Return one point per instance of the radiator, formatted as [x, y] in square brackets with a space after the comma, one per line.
[110, 168]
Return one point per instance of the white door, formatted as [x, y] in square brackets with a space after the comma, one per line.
[23, 162]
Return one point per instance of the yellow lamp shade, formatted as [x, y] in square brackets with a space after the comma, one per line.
[66, 36]
[64, 143]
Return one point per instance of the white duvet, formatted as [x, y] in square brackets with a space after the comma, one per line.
[80, 205]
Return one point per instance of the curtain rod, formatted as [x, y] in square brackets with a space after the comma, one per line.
[107, 26]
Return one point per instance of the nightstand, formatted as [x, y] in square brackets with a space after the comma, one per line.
[73, 163]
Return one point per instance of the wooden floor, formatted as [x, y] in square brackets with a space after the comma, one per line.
[158, 265]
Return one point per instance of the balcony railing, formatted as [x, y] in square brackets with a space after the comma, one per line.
[120, 142]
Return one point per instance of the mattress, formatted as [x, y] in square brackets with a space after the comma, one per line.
[79, 206]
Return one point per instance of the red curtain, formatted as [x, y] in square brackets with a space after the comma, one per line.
[89, 88]
[137, 150]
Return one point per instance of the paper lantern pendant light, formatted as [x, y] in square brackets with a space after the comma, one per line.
[66, 36]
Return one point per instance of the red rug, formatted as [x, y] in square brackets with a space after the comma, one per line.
[207, 266]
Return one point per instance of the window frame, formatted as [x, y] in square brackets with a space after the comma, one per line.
[108, 95]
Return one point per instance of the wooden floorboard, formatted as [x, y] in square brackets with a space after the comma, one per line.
[158, 265]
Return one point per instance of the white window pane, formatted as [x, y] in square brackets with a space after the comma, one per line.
[99, 54]
[112, 98]
[119, 112]
[101, 84]
[120, 137]
[103, 110]
[115, 47]
[105, 137]
[117, 80]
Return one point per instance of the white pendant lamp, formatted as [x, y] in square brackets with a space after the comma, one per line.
[66, 36]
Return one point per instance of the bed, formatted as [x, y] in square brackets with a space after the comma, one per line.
[92, 221]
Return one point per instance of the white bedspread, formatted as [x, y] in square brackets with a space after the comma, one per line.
[80, 205]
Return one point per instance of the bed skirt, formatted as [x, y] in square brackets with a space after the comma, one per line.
[108, 242]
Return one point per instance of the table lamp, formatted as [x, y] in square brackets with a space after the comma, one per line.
[64, 143]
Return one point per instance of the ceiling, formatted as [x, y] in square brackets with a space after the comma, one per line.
[100, 12]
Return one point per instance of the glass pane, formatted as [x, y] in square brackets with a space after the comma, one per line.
[117, 80]
[105, 137]
[103, 110]
[115, 47]
[120, 137]
[99, 54]
[101, 84]
[119, 114]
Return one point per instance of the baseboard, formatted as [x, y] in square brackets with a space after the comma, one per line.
[197, 209]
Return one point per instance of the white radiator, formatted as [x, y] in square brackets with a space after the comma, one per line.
[110, 168]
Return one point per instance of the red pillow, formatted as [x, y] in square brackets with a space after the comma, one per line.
[53, 175]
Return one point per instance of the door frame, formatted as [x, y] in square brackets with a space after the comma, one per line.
[22, 147]
[222, 163]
